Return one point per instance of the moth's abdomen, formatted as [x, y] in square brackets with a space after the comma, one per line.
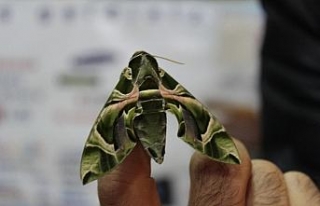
[150, 126]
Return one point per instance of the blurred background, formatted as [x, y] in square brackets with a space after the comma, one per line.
[59, 61]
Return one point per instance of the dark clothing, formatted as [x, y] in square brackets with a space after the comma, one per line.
[290, 85]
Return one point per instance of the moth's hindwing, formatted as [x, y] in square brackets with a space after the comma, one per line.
[197, 126]
[111, 138]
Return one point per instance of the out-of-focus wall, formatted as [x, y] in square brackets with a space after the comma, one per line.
[60, 60]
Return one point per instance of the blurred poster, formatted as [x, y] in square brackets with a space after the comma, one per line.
[59, 61]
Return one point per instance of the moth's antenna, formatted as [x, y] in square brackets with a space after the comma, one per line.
[167, 59]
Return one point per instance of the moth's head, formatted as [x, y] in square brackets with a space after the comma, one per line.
[144, 70]
[140, 58]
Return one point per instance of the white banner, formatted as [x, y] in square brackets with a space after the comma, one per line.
[59, 61]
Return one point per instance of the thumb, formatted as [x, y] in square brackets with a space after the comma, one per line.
[216, 183]
[130, 182]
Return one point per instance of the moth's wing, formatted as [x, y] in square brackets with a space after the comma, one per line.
[197, 126]
[111, 138]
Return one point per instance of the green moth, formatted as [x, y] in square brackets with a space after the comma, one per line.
[136, 112]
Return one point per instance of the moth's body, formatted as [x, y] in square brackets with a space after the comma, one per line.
[151, 121]
[135, 113]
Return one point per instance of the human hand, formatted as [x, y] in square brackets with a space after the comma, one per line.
[253, 182]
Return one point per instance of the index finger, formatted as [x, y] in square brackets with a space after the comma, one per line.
[129, 182]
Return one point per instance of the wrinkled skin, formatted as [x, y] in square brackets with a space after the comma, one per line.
[253, 183]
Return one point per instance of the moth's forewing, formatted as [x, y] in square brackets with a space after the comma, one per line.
[110, 139]
[197, 126]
